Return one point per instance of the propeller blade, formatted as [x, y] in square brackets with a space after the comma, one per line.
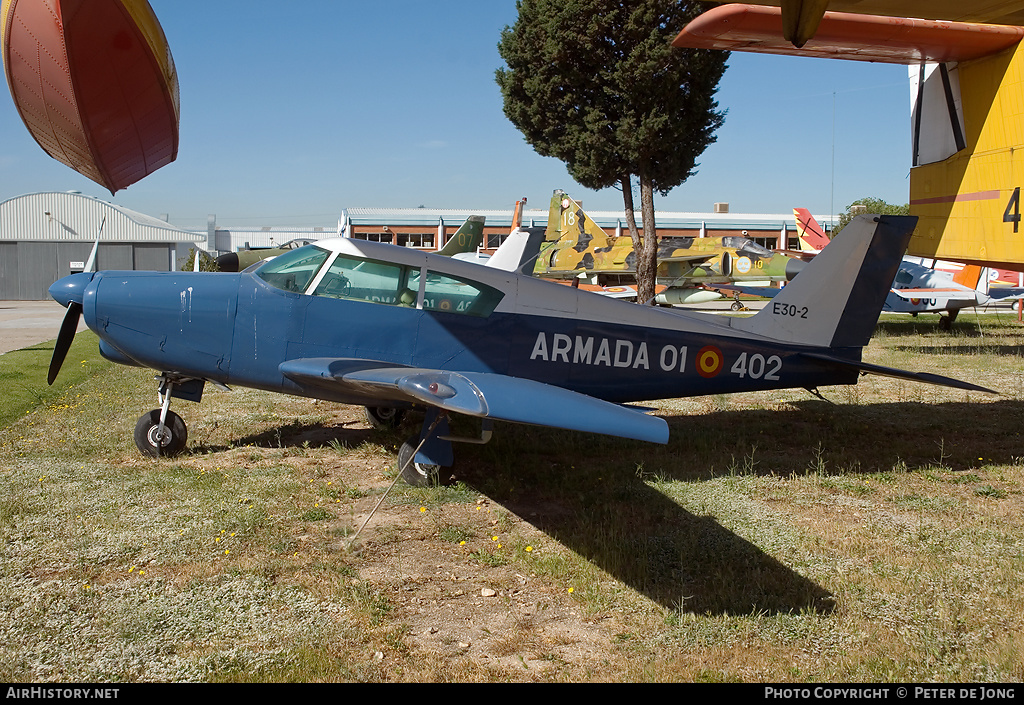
[90, 266]
[64, 339]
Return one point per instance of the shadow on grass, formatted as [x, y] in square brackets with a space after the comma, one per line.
[294, 435]
[978, 348]
[591, 493]
[588, 492]
[675, 558]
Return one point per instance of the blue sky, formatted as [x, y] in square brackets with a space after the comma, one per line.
[291, 112]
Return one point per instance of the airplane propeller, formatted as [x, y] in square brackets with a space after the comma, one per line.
[72, 316]
[64, 339]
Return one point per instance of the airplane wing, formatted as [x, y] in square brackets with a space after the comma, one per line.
[479, 394]
[692, 259]
[898, 40]
[949, 294]
[1000, 293]
[766, 292]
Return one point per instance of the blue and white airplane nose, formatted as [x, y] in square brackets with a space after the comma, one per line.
[70, 288]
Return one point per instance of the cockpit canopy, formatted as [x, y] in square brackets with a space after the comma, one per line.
[746, 246]
[317, 271]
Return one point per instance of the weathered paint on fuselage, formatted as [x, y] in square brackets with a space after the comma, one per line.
[237, 329]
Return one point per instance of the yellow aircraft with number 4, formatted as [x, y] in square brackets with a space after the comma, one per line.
[966, 71]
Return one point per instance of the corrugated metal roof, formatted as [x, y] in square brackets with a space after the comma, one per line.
[72, 216]
[428, 217]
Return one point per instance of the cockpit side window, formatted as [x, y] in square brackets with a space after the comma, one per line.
[368, 280]
[450, 294]
[293, 271]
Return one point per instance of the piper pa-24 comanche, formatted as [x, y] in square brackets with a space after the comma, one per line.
[391, 328]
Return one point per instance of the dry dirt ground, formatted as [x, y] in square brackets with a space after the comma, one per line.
[456, 576]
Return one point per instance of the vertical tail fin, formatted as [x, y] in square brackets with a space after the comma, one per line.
[518, 252]
[467, 238]
[517, 215]
[568, 221]
[836, 300]
[812, 237]
[969, 276]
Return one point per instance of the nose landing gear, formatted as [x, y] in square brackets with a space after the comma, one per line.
[161, 433]
[160, 439]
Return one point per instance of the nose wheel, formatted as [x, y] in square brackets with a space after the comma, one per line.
[161, 433]
[156, 440]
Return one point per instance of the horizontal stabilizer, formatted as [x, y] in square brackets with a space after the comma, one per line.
[925, 377]
[483, 395]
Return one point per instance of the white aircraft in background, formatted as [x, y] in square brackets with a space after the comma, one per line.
[919, 288]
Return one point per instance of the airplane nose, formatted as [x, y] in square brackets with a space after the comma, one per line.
[70, 288]
[793, 267]
[228, 262]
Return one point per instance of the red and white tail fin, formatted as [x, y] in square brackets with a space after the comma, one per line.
[812, 237]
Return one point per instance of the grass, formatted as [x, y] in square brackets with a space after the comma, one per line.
[874, 537]
[23, 374]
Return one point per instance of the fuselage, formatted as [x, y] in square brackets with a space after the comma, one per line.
[934, 290]
[353, 300]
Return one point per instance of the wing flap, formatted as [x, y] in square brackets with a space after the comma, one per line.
[481, 394]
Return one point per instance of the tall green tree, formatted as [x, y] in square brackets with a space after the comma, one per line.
[869, 205]
[597, 84]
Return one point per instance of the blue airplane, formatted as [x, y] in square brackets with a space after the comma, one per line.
[392, 328]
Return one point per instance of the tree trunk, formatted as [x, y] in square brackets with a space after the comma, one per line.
[647, 255]
[627, 198]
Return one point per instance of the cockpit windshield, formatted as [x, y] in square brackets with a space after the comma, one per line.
[746, 246]
[294, 270]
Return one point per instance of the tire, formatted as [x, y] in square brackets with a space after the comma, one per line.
[418, 474]
[384, 417]
[147, 431]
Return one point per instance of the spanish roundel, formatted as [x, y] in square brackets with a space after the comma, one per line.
[709, 361]
[95, 84]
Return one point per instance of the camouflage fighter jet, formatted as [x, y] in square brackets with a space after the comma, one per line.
[575, 245]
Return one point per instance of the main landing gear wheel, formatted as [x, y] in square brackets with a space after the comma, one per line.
[156, 444]
[419, 474]
[384, 416]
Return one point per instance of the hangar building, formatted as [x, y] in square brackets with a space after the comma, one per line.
[430, 228]
[45, 236]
